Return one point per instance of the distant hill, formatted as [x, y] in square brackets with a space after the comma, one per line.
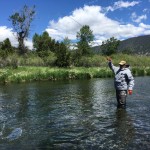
[138, 45]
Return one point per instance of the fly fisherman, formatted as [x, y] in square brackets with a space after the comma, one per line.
[124, 82]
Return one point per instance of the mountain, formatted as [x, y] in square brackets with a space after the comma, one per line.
[136, 45]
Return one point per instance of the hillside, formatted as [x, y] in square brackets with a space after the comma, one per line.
[138, 45]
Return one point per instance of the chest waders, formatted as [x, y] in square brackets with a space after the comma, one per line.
[121, 96]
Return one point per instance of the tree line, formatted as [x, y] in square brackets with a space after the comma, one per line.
[64, 52]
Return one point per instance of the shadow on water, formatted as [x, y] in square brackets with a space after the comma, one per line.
[79, 114]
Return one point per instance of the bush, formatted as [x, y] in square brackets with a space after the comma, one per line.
[92, 61]
[50, 59]
[9, 61]
[30, 60]
[138, 71]
[147, 70]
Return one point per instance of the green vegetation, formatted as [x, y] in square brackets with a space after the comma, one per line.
[94, 67]
[85, 37]
[110, 46]
[27, 74]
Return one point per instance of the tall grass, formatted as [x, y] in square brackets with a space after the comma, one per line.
[33, 68]
[15, 60]
[100, 61]
[86, 61]
[134, 60]
[27, 74]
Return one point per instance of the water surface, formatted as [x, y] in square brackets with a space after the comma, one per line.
[78, 114]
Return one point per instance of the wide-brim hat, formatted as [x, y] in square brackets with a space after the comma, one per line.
[122, 62]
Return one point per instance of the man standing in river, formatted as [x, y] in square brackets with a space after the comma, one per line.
[124, 81]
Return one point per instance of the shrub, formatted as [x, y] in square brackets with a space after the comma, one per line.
[92, 61]
[50, 59]
[138, 71]
[147, 70]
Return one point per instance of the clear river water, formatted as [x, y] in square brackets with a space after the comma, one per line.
[74, 115]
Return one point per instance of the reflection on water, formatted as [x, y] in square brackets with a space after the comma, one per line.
[124, 129]
[79, 114]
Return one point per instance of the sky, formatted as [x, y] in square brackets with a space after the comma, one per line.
[121, 19]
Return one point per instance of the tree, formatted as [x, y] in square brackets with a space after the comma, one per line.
[6, 45]
[67, 42]
[85, 36]
[63, 55]
[6, 48]
[110, 46]
[43, 44]
[21, 22]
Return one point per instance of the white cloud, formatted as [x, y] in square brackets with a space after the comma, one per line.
[145, 26]
[6, 32]
[70, 25]
[145, 10]
[133, 15]
[122, 4]
[138, 19]
[102, 26]
[29, 44]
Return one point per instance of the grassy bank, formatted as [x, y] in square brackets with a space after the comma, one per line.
[91, 67]
[28, 74]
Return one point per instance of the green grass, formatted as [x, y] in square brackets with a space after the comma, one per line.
[92, 67]
[28, 74]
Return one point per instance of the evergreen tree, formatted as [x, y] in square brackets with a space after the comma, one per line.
[63, 55]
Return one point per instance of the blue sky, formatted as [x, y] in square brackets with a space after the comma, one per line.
[63, 18]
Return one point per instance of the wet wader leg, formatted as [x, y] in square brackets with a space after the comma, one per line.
[121, 98]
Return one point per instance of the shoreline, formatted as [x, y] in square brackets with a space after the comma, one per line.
[28, 74]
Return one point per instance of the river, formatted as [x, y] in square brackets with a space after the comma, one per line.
[77, 114]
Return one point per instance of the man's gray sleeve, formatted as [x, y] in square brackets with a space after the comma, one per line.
[131, 80]
[112, 67]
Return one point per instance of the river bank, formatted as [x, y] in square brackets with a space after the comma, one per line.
[28, 74]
